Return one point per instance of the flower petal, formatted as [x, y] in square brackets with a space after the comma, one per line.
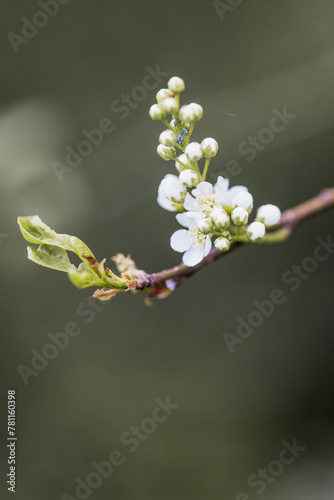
[171, 186]
[203, 189]
[232, 193]
[221, 188]
[190, 203]
[165, 203]
[180, 240]
[193, 256]
[186, 220]
[208, 245]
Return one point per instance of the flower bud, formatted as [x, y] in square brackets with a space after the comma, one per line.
[187, 114]
[165, 152]
[256, 231]
[243, 200]
[168, 138]
[209, 147]
[194, 151]
[171, 193]
[156, 112]
[162, 94]
[220, 218]
[186, 125]
[205, 226]
[185, 161]
[198, 110]
[189, 178]
[222, 244]
[269, 215]
[176, 84]
[169, 106]
[239, 216]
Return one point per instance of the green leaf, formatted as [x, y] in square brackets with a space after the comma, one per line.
[34, 230]
[52, 257]
[83, 277]
[52, 253]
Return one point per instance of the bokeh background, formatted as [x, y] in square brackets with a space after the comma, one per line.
[235, 410]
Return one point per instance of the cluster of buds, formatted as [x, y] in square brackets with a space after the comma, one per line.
[209, 213]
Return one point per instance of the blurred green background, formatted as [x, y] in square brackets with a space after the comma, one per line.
[234, 409]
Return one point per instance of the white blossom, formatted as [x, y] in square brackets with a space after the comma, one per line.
[243, 200]
[187, 114]
[162, 94]
[239, 216]
[168, 138]
[171, 193]
[194, 151]
[156, 112]
[192, 242]
[205, 225]
[256, 231]
[220, 218]
[185, 163]
[169, 106]
[269, 215]
[222, 244]
[176, 84]
[198, 110]
[230, 195]
[206, 197]
[209, 147]
[165, 152]
[189, 178]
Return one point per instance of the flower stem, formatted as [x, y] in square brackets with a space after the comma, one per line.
[189, 133]
[205, 170]
[168, 124]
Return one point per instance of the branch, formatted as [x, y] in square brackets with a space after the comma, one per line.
[167, 280]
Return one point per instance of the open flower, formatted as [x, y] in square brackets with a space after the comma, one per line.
[191, 241]
[171, 193]
[206, 197]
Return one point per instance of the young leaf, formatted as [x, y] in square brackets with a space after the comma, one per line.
[52, 257]
[34, 230]
[83, 277]
[52, 253]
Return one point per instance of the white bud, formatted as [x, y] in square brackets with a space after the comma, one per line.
[222, 244]
[169, 106]
[189, 178]
[184, 160]
[256, 231]
[162, 94]
[239, 216]
[171, 193]
[176, 84]
[194, 151]
[205, 226]
[198, 110]
[243, 200]
[209, 147]
[186, 114]
[269, 215]
[156, 112]
[220, 218]
[165, 152]
[168, 138]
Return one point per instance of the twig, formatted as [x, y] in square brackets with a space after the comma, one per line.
[171, 278]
